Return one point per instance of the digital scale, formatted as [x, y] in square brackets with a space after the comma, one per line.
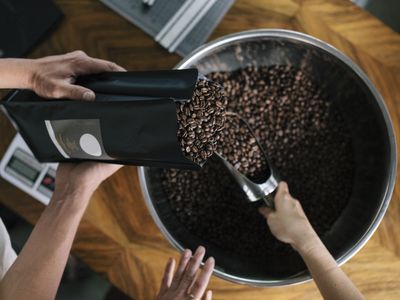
[23, 170]
[178, 25]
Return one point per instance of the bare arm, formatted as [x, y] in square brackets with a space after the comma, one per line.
[15, 73]
[290, 225]
[37, 271]
[332, 282]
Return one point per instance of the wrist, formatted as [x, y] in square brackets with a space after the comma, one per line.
[18, 73]
[74, 198]
[306, 241]
[30, 68]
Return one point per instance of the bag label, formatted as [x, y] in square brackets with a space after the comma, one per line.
[77, 138]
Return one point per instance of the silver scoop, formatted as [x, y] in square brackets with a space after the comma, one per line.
[254, 191]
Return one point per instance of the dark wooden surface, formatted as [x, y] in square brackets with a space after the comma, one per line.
[117, 236]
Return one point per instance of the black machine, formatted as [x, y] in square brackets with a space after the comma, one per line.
[23, 23]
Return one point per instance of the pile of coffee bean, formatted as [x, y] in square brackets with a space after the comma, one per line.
[306, 138]
[239, 146]
[200, 121]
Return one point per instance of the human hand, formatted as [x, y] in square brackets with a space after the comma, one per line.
[288, 222]
[184, 285]
[54, 76]
[81, 179]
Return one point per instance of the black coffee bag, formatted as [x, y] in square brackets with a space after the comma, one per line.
[133, 120]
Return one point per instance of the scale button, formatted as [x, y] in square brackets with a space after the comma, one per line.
[90, 144]
[47, 180]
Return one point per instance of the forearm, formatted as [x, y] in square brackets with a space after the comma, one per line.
[16, 73]
[332, 282]
[37, 272]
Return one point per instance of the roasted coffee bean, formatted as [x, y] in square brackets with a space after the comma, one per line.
[239, 146]
[198, 116]
[306, 138]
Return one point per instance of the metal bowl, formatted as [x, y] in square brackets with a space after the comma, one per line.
[372, 137]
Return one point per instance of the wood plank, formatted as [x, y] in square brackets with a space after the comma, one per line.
[118, 237]
[337, 19]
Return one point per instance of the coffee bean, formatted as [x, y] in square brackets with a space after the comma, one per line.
[204, 109]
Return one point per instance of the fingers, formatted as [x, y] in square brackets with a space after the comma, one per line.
[185, 257]
[265, 211]
[108, 169]
[88, 65]
[184, 282]
[112, 67]
[74, 92]
[56, 75]
[168, 275]
[282, 189]
[282, 193]
[91, 65]
[202, 280]
[191, 269]
[283, 198]
[95, 172]
[208, 295]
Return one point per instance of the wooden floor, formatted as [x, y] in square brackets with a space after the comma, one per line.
[118, 237]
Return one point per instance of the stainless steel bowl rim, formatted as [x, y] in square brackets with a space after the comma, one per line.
[307, 39]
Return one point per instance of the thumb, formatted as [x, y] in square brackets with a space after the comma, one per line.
[208, 295]
[265, 211]
[76, 92]
[282, 189]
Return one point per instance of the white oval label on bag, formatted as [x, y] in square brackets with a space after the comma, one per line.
[90, 144]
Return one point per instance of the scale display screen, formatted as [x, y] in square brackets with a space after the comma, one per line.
[20, 167]
[23, 169]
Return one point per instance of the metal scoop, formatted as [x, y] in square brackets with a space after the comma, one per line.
[254, 191]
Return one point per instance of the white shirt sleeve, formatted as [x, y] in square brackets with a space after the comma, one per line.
[7, 253]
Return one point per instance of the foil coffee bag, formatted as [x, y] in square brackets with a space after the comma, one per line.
[132, 121]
